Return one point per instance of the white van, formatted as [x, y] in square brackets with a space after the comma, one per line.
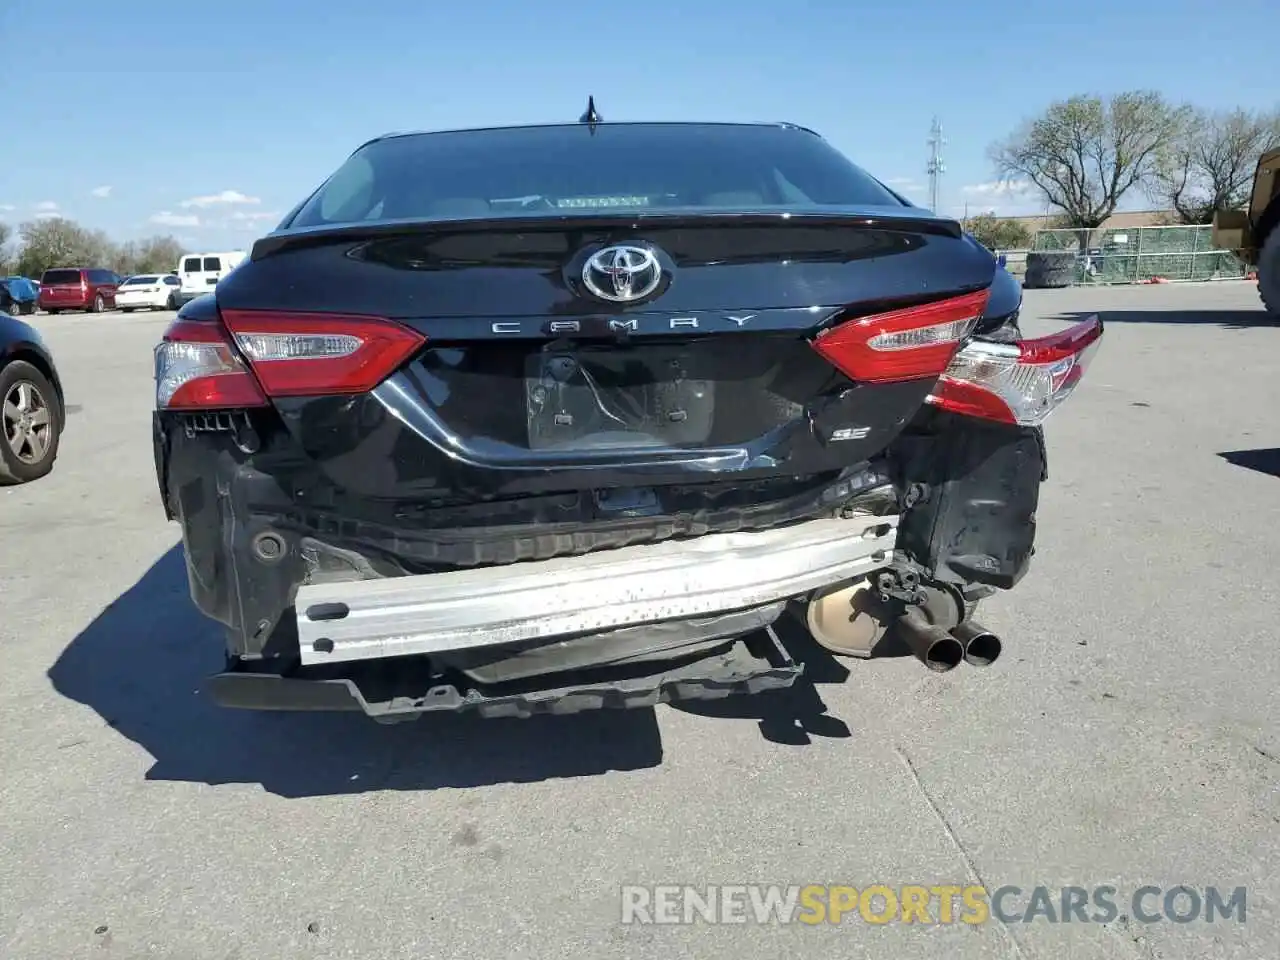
[198, 273]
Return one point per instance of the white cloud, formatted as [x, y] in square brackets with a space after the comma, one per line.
[166, 219]
[215, 199]
[47, 205]
[7, 207]
[47, 215]
[245, 220]
[101, 192]
[999, 188]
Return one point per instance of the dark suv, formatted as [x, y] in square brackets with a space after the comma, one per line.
[74, 288]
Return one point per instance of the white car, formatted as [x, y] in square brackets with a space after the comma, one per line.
[148, 291]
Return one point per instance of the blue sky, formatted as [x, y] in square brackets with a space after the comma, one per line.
[208, 120]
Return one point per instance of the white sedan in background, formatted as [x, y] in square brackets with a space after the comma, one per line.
[148, 291]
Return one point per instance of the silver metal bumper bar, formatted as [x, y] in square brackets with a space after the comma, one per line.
[369, 619]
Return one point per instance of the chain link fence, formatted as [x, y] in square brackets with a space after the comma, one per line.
[1138, 254]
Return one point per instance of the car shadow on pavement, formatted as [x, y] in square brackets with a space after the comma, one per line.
[793, 716]
[1226, 319]
[1264, 460]
[141, 662]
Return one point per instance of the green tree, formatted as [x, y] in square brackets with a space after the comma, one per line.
[1086, 153]
[999, 233]
[58, 242]
[153, 255]
[6, 257]
[1210, 166]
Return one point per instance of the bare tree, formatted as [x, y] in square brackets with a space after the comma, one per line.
[1084, 154]
[1209, 166]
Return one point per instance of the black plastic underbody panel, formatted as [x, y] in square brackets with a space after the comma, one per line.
[753, 664]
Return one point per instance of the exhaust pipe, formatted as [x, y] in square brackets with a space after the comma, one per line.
[935, 647]
[981, 646]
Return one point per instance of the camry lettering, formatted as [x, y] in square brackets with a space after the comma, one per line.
[638, 324]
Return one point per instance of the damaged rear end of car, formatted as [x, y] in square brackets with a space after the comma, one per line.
[549, 419]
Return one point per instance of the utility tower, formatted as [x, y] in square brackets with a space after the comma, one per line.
[937, 167]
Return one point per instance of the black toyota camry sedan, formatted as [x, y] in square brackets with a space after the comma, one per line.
[559, 417]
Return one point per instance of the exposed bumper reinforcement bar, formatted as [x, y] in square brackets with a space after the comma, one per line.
[752, 664]
[371, 619]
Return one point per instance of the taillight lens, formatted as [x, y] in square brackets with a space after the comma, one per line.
[198, 369]
[263, 354]
[308, 354]
[907, 344]
[1018, 383]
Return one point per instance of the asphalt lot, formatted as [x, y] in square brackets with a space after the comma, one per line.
[1128, 736]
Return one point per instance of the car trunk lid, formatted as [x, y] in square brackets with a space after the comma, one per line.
[527, 381]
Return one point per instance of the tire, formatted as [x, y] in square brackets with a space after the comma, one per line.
[53, 312]
[126, 309]
[30, 423]
[1269, 273]
[29, 308]
[1050, 270]
[172, 303]
[99, 304]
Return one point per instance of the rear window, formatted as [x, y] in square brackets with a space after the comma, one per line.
[140, 281]
[191, 265]
[536, 170]
[212, 263]
[55, 277]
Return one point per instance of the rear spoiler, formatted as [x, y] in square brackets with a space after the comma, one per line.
[874, 218]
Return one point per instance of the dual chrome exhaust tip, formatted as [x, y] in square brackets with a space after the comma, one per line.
[982, 648]
[940, 649]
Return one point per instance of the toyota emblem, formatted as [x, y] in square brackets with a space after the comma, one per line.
[622, 273]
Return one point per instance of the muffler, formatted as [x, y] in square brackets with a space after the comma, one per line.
[981, 646]
[935, 647]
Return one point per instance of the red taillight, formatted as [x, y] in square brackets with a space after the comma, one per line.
[261, 354]
[907, 344]
[198, 369]
[308, 354]
[1018, 383]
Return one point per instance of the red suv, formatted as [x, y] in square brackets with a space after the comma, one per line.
[72, 288]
